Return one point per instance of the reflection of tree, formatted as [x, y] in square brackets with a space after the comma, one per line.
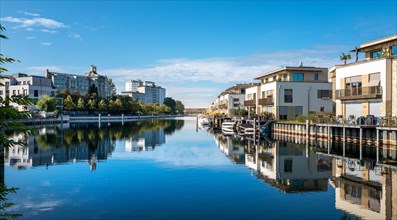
[4, 191]
[91, 135]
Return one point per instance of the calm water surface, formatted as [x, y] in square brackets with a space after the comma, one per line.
[169, 169]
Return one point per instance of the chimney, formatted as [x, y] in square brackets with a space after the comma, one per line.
[92, 68]
[301, 64]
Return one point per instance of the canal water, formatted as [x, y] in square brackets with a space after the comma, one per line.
[171, 169]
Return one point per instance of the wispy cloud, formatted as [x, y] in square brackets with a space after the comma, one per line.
[30, 37]
[48, 31]
[37, 70]
[29, 13]
[217, 74]
[46, 43]
[34, 22]
[75, 36]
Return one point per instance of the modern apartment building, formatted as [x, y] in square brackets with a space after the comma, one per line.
[145, 91]
[369, 86]
[22, 84]
[230, 100]
[290, 91]
[81, 83]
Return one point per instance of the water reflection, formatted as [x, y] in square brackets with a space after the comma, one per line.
[364, 182]
[86, 142]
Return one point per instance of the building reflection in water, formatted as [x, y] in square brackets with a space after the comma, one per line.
[364, 177]
[85, 143]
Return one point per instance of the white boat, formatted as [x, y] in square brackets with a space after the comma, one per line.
[202, 120]
[228, 126]
[246, 129]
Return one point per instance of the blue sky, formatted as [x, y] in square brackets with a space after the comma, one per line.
[194, 49]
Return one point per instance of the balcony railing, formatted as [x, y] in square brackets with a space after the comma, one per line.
[370, 92]
[266, 101]
[249, 103]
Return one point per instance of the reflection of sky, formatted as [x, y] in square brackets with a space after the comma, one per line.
[181, 179]
[184, 148]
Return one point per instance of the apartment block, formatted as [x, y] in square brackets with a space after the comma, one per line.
[22, 84]
[369, 86]
[81, 83]
[145, 91]
[290, 91]
[230, 100]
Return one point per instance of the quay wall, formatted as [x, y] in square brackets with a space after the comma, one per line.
[363, 134]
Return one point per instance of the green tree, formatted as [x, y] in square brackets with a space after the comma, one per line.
[81, 104]
[112, 88]
[69, 104]
[65, 93]
[102, 105]
[46, 103]
[9, 120]
[118, 106]
[111, 106]
[92, 105]
[170, 102]
[179, 107]
[345, 57]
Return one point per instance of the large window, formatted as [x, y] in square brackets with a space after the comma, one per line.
[316, 76]
[324, 94]
[288, 95]
[288, 165]
[297, 77]
[36, 93]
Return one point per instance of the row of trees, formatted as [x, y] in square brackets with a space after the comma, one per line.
[118, 104]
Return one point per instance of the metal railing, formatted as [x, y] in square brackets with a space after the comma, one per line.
[369, 92]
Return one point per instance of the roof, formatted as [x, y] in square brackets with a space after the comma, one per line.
[292, 68]
[369, 45]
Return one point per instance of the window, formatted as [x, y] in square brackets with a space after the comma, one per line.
[283, 111]
[36, 93]
[394, 50]
[288, 95]
[288, 165]
[297, 77]
[25, 92]
[13, 92]
[376, 54]
[236, 100]
[1, 92]
[322, 109]
[236, 105]
[324, 94]
[285, 77]
[316, 76]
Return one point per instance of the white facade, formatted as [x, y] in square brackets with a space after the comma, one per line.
[146, 92]
[287, 99]
[230, 100]
[368, 87]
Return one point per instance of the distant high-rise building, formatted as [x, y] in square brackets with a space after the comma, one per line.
[145, 91]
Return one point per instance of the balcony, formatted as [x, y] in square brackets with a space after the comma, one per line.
[266, 101]
[249, 103]
[370, 92]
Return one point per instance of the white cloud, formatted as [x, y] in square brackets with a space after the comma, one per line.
[75, 36]
[46, 43]
[30, 37]
[29, 13]
[220, 72]
[48, 31]
[34, 22]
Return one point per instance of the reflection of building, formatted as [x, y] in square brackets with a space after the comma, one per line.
[45, 149]
[364, 188]
[230, 147]
[18, 156]
[291, 168]
[145, 141]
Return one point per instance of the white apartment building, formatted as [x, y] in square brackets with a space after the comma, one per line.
[145, 91]
[290, 91]
[230, 100]
[368, 87]
[24, 85]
